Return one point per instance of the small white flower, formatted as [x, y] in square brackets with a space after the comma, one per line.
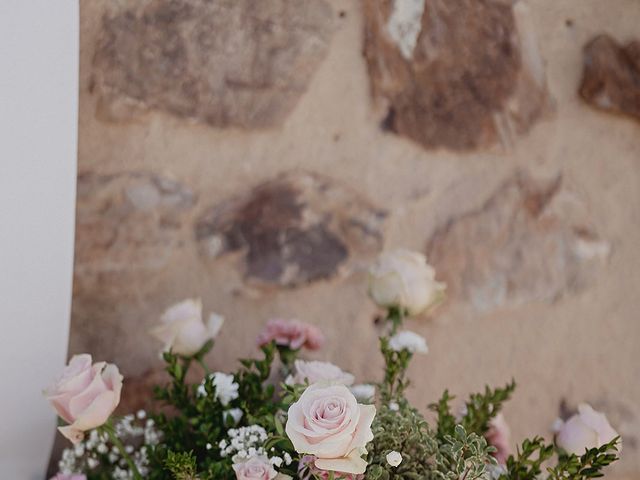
[394, 458]
[234, 413]
[209, 446]
[410, 341]
[394, 407]
[141, 414]
[364, 392]
[226, 389]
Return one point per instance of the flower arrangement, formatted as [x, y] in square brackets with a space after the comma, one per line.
[307, 419]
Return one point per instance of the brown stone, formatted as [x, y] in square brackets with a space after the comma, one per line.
[528, 242]
[459, 74]
[611, 76]
[295, 229]
[127, 222]
[225, 63]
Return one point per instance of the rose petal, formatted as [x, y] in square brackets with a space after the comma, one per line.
[82, 400]
[363, 431]
[73, 434]
[353, 463]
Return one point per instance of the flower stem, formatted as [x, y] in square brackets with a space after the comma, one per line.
[110, 431]
[204, 366]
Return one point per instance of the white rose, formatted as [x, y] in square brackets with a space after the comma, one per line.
[255, 468]
[404, 279]
[328, 422]
[586, 429]
[315, 371]
[364, 392]
[407, 340]
[182, 329]
[394, 458]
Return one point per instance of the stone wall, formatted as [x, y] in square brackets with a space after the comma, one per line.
[260, 154]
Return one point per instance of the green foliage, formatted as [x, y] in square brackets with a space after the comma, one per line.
[404, 430]
[588, 465]
[463, 456]
[395, 370]
[479, 410]
[527, 464]
[182, 465]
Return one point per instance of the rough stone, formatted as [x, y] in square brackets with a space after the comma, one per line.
[611, 76]
[295, 229]
[127, 222]
[529, 242]
[460, 74]
[225, 63]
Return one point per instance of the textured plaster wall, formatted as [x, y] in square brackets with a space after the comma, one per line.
[537, 233]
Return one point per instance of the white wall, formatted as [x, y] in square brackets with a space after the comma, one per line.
[38, 130]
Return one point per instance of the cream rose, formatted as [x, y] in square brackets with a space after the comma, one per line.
[328, 422]
[182, 329]
[85, 395]
[314, 371]
[255, 468]
[404, 279]
[586, 429]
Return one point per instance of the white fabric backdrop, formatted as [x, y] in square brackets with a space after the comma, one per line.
[38, 130]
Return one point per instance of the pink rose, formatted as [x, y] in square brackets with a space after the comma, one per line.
[328, 422]
[85, 395]
[499, 436]
[63, 476]
[292, 334]
[315, 371]
[308, 471]
[586, 429]
[255, 468]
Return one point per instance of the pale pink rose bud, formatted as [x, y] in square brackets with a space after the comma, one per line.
[255, 468]
[402, 278]
[292, 334]
[183, 330]
[85, 395]
[499, 436]
[586, 429]
[328, 423]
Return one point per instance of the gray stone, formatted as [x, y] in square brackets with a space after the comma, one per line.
[224, 62]
[460, 74]
[611, 76]
[529, 242]
[127, 222]
[295, 229]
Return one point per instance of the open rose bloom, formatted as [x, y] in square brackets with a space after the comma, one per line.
[315, 371]
[85, 395]
[586, 429]
[402, 278]
[328, 423]
[255, 468]
[183, 330]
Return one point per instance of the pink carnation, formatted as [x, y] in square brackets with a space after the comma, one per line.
[308, 471]
[499, 436]
[292, 334]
